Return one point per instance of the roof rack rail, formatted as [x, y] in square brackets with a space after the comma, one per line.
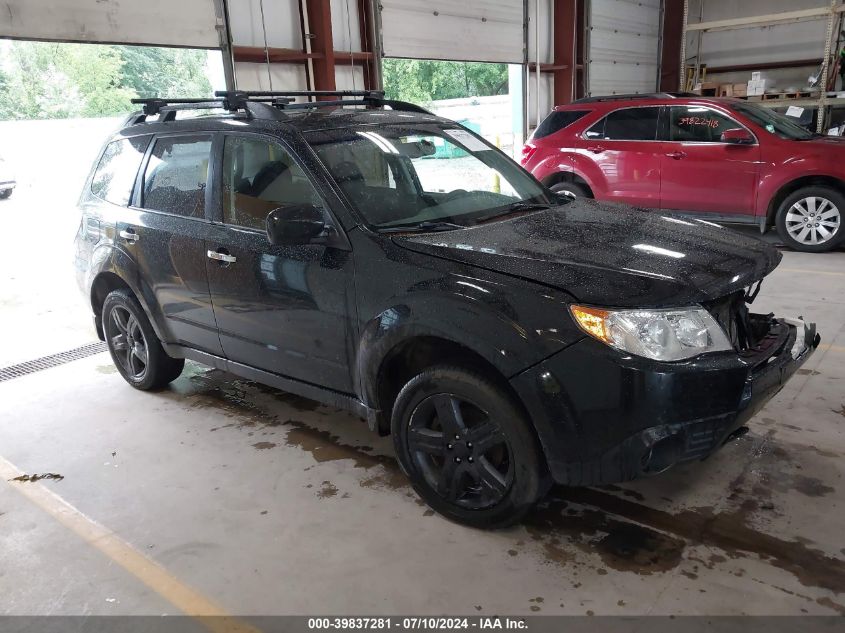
[654, 95]
[265, 105]
[284, 99]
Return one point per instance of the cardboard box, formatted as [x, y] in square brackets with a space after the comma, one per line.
[726, 90]
[758, 87]
[709, 89]
[740, 90]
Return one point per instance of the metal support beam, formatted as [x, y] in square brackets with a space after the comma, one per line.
[319, 33]
[369, 44]
[670, 52]
[565, 14]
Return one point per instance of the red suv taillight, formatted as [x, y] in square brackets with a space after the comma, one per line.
[527, 153]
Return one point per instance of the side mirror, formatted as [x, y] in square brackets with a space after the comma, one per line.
[737, 136]
[295, 225]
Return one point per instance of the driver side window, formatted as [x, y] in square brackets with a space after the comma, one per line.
[259, 176]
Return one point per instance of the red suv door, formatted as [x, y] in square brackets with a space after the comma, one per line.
[620, 155]
[701, 173]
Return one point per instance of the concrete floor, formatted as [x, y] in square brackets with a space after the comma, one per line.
[220, 495]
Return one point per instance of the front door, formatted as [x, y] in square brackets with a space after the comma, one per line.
[699, 172]
[621, 155]
[164, 232]
[284, 309]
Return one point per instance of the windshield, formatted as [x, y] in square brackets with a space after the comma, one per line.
[414, 176]
[773, 122]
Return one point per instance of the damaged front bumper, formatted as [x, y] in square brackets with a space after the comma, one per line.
[604, 416]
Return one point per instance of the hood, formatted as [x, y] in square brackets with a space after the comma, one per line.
[610, 255]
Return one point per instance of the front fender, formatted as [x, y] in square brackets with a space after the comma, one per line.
[510, 332]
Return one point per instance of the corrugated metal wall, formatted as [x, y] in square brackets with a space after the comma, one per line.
[471, 30]
[624, 46]
[160, 22]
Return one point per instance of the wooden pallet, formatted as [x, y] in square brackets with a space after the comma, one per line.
[800, 94]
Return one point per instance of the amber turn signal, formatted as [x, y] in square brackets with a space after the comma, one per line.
[593, 321]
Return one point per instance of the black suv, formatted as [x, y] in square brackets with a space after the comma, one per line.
[372, 256]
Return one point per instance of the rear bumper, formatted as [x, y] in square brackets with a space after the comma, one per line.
[606, 417]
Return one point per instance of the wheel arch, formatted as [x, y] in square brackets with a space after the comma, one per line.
[569, 177]
[787, 189]
[107, 281]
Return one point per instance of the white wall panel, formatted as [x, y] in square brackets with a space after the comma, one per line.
[471, 30]
[349, 77]
[282, 19]
[345, 31]
[624, 46]
[251, 76]
[161, 22]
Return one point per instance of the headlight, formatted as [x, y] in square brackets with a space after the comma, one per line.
[659, 334]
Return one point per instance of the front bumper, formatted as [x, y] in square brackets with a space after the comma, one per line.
[603, 416]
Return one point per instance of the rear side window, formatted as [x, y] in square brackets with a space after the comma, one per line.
[629, 124]
[115, 174]
[177, 175]
[558, 120]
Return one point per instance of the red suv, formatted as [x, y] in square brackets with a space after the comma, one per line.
[727, 160]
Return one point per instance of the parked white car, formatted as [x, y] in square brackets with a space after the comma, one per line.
[7, 180]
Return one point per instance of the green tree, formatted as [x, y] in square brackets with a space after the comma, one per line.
[51, 81]
[165, 72]
[424, 81]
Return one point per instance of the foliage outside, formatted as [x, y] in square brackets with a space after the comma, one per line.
[40, 80]
[424, 81]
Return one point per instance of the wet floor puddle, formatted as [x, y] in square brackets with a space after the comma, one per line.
[612, 524]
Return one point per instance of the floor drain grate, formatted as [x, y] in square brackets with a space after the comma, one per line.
[46, 362]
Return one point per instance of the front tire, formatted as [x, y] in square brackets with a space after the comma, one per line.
[468, 448]
[811, 219]
[7, 193]
[579, 191]
[134, 347]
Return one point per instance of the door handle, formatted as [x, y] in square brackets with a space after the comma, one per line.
[677, 155]
[221, 256]
[129, 235]
[596, 149]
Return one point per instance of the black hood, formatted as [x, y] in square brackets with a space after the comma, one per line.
[610, 255]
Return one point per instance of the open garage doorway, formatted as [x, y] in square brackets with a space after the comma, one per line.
[484, 97]
[58, 103]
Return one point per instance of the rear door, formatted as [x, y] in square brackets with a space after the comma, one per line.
[702, 174]
[621, 154]
[283, 309]
[164, 232]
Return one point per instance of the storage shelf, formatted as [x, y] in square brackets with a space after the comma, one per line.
[765, 20]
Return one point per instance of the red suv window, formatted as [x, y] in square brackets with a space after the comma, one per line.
[627, 124]
[558, 120]
[698, 124]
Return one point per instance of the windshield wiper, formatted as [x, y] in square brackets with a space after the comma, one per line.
[428, 226]
[811, 137]
[515, 207]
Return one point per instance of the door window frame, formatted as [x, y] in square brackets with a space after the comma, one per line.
[660, 116]
[137, 195]
[319, 187]
[667, 129]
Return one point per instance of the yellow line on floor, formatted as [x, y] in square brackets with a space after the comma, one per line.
[811, 272]
[832, 348]
[149, 572]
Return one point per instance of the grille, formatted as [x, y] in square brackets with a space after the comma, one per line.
[46, 362]
[732, 314]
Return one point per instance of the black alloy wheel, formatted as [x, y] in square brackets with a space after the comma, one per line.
[468, 447]
[127, 340]
[461, 451]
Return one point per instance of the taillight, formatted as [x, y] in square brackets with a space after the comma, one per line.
[527, 153]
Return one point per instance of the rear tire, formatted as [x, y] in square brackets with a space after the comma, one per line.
[468, 448]
[811, 219]
[5, 194]
[579, 191]
[134, 347]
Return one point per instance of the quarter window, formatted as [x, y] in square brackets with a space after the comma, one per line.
[259, 176]
[697, 124]
[177, 174]
[115, 174]
[629, 124]
[557, 120]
